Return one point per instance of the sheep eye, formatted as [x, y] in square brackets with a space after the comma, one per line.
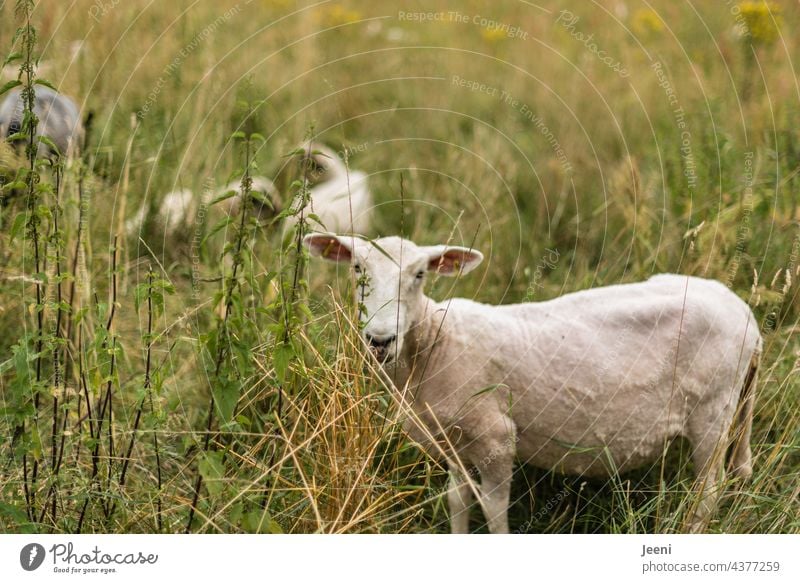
[420, 275]
[357, 268]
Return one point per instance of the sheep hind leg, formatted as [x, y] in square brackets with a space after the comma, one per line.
[459, 500]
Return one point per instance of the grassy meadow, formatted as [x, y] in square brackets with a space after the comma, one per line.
[210, 378]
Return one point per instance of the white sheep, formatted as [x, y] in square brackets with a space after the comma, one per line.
[59, 119]
[180, 209]
[339, 196]
[590, 383]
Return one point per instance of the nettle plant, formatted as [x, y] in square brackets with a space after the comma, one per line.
[38, 357]
[68, 466]
[246, 327]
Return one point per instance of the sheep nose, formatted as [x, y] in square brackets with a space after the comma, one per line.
[379, 342]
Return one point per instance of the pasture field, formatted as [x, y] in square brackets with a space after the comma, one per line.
[209, 378]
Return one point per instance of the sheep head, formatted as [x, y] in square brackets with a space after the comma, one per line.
[390, 275]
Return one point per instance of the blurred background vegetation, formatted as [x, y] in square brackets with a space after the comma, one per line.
[576, 144]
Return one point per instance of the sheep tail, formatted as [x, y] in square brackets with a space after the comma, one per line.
[741, 456]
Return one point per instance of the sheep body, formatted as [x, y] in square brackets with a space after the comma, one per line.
[344, 203]
[59, 119]
[614, 371]
[339, 196]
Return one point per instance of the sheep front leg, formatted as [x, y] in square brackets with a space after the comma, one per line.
[495, 494]
[459, 500]
[496, 467]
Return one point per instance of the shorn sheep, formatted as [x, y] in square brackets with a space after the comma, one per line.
[340, 196]
[591, 383]
[59, 119]
[179, 209]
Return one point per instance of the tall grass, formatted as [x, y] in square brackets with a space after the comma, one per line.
[208, 379]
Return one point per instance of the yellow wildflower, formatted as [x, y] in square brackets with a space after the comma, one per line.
[761, 21]
[338, 14]
[493, 35]
[646, 22]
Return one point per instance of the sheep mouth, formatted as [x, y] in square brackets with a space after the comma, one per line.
[384, 355]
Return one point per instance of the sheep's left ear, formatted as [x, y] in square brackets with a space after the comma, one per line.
[452, 261]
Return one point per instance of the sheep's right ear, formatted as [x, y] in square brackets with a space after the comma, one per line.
[452, 261]
[329, 246]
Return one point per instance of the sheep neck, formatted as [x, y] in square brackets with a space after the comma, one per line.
[420, 340]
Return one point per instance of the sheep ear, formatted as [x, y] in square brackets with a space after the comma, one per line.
[329, 246]
[453, 261]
